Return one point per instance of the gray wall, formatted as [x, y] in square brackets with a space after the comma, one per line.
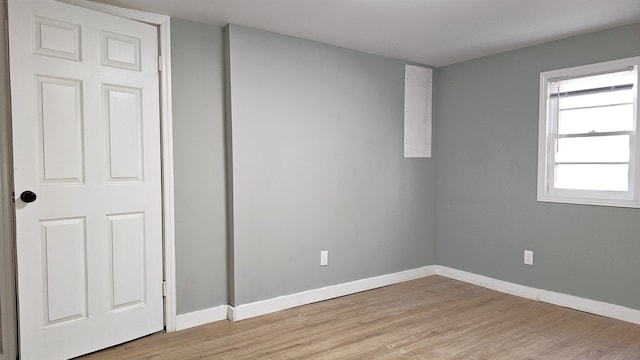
[317, 151]
[486, 130]
[317, 165]
[199, 165]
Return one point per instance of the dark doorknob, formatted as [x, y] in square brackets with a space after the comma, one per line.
[28, 196]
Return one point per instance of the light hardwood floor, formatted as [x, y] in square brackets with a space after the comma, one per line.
[428, 318]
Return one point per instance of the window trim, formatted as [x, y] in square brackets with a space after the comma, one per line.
[547, 132]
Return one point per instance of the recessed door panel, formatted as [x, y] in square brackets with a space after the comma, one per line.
[127, 240]
[120, 51]
[123, 115]
[56, 38]
[61, 136]
[65, 276]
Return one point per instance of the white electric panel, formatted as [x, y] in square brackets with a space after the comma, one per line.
[417, 111]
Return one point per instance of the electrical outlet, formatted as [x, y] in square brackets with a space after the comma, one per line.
[528, 257]
[324, 258]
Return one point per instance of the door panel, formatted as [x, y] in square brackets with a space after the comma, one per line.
[65, 267]
[120, 51]
[60, 124]
[127, 243]
[86, 138]
[122, 116]
[56, 38]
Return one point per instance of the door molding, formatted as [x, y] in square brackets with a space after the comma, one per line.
[166, 134]
[8, 321]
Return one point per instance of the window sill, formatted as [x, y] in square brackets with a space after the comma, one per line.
[589, 200]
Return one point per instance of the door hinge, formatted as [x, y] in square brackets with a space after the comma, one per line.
[164, 288]
[160, 63]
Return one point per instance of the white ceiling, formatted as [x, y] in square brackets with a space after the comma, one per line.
[431, 32]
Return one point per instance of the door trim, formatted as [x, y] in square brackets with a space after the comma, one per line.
[166, 134]
[7, 231]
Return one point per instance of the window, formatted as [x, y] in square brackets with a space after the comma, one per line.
[587, 152]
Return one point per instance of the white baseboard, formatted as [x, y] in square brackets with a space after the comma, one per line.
[555, 298]
[245, 311]
[201, 317]
[591, 306]
[489, 283]
[257, 308]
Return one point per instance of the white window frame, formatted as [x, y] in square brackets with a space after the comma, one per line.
[547, 135]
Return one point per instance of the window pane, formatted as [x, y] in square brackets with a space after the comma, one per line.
[593, 149]
[597, 99]
[594, 81]
[592, 177]
[603, 119]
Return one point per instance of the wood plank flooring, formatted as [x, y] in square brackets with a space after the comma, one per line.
[428, 318]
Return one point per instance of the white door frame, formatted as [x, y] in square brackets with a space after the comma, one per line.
[7, 243]
[168, 219]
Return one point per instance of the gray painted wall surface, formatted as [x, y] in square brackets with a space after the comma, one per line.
[317, 151]
[486, 131]
[318, 165]
[199, 165]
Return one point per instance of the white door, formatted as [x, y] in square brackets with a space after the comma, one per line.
[85, 115]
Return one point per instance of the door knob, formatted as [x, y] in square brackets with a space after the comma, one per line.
[28, 196]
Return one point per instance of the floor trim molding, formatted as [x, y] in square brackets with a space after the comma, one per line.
[201, 317]
[489, 283]
[591, 306]
[262, 307]
[569, 301]
[246, 311]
